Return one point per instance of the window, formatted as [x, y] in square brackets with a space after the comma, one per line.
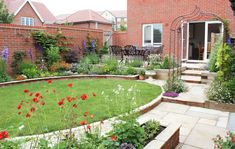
[27, 21]
[96, 25]
[119, 19]
[152, 34]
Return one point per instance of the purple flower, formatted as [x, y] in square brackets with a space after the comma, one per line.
[31, 54]
[84, 44]
[229, 41]
[93, 43]
[171, 94]
[5, 54]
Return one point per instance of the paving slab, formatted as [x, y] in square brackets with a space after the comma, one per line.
[188, 147]
[209, 111]
[202, 135]
[175, 108]
[207, 121]
[231, 122]
[222, 122]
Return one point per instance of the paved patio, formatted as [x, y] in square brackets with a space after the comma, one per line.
[199, 125]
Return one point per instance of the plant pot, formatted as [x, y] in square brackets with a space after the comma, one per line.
[141, 77]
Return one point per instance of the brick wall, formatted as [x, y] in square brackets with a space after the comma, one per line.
[17, 38]
[27, 11]
[165, 11]
[92, 25]
[120, 38]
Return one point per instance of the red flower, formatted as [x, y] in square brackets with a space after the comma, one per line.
[33, 109]
[113, 138]
[91, 116]
[49, 81]
[3, 134]
[70, 85]
[37, 94]
[26, 91]
[93, 94]
[19, 106]
[84, 97]
[83, 123]
[69, 99]
[27, 115]
[85, 113]
[232, 139]
[88, 126]
[75, 106]
[19, 113]
[60, 103]
[35, 100]
[41, 97]
[42, 103]
[31, 94]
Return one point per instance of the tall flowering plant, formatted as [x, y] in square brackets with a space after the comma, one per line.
[5, 54]
[227, 143]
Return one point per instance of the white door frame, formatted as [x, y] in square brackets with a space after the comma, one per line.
[205, 60]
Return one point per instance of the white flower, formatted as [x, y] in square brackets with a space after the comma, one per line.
[21, 127]
[102, 93]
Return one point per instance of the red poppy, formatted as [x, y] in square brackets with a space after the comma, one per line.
[88, 126]
[83, 123]
[27, 115]
[42, 103]
[35, 100]
[37, 94]
[49, 81]
[113, 138]
[84, 97]
[60, 103]
[70, 85]
[41, 97]
[26, 91]
[232, 139]
[93, 94]
[31, 94]
[3, 134]
[19, 106]
[69, 99]
[75, 105]
[19, 113]
[85, 113]
[33, 109]
[92, 115]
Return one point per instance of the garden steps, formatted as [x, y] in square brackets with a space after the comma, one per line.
[191, 72]
[195, 66]
[191, 79]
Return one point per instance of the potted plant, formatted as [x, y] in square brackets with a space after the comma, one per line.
[142, 74]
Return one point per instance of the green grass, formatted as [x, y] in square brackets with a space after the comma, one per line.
[51, 118]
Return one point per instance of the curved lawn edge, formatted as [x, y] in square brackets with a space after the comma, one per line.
[52, 136]
[126, 77]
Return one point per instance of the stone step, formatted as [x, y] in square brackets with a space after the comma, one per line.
[191, 79]
[191, 72]
[195, 66]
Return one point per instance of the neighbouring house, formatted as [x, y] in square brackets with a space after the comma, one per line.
[118, 18]
[30, 13]
[149, 23]
[85, 19]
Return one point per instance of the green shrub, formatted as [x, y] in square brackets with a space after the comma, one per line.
[93, 58]
[151, 128]
[219, 92]
[53, 55]
[213, 56]
[154, 59]
[71, 56]
[105, 49]
[18, 58]
[129, 131]
[84, 68]
[110, 65]
[135, 63]
[230, 84]
[97, 69]
[131, 71]
[29, 69]
[3, 75]
[175, 85]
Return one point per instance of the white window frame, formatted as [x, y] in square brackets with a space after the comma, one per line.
[152, 35]
[27, 21]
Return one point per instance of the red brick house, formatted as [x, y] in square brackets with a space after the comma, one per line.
[31, 13]
[86, 19]
[149, 24]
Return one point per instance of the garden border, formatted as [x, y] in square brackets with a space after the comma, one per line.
[128, 77]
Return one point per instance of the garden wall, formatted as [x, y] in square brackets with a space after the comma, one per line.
[17, 38]
[120, 38]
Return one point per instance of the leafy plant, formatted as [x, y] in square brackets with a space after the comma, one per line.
[151, 128]
[28, 69]
[91, 58]
[227, 143]
[219, 92]
[3, 75]
[230, 84]
[10, 144]
[131, 71]
[166, 63]
[129, 131]
[18, 58]
[213, 56]
[122, 28]
[71, 56]
[53, 55]
[98, 69]
[60, 66]
[110, 65]
[105, 49]
[174, 84]
[5, 16]
[135, 63]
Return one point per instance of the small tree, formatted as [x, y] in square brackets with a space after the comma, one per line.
[122, 28]
[5, 16]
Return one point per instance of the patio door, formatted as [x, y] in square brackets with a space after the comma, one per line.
[184, 41]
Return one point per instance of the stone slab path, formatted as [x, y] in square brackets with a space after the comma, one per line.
[199, 125]
[231, 122]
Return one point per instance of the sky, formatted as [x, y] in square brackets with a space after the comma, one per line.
[58, 7]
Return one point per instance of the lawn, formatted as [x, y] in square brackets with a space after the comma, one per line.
[106, 98]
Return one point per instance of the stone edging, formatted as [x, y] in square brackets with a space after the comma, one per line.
[130, 77]
[207, 104]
